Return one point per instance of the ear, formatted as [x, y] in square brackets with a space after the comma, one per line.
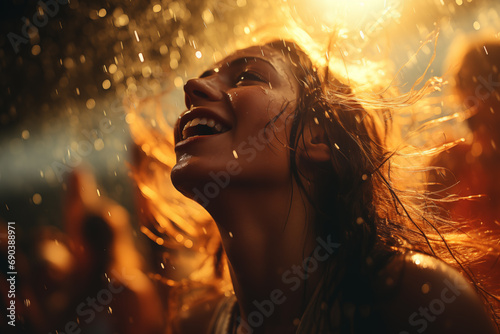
[313, 146]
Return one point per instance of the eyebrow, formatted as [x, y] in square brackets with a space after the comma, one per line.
[238, 62]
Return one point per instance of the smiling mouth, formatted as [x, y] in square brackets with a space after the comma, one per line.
[202, 127]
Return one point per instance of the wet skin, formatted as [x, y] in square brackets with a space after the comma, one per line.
[243, 93]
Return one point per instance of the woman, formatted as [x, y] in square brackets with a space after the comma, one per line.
[299, 176]
[470, 169]
[475, 162]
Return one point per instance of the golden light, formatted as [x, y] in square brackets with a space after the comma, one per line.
[56, 254]
[353, 15]
[106, 84]
[157, 8]
[37, 199]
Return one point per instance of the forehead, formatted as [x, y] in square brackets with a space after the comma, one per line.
[260, 51]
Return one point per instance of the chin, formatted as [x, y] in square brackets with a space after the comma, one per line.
[183, 178]
[191, 177]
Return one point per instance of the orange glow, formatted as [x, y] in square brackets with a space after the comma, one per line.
[351, 15]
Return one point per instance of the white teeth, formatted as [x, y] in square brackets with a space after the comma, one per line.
[202, 121]
[188, 124]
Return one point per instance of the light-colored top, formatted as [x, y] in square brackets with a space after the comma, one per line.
[224, 316]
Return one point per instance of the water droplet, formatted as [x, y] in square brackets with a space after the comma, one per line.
[25, 134]
[157, 8]
[163, 49]
[37, 198]
[90, 103]
[106, 84]
[36, 49]
[207, 16]
[178, 82]
[98, 144]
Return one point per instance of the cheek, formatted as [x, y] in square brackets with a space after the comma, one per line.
[262, 147]
[255, 108]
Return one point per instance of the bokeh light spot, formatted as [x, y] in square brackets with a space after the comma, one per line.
[36, 49]
[25, 134]
[90, 104]
[106, 84]
[37, 198]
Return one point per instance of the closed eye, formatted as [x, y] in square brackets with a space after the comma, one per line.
[249, 77]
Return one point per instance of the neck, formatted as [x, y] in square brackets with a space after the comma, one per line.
[267, 234]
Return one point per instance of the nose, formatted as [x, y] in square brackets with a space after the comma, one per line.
[199, 89]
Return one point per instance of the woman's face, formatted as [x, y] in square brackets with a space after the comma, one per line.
[224, 138]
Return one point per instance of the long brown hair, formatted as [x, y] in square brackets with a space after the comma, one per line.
[368, 202]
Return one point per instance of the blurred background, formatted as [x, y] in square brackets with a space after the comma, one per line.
[69, 68]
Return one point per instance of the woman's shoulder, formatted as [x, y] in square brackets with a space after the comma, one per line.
[423, 294]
